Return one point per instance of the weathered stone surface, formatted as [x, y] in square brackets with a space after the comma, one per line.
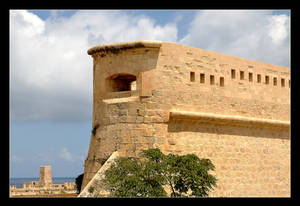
[187, 100]
[45, 176]
[93, 188]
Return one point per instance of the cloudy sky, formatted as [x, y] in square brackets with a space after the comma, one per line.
[51, 73]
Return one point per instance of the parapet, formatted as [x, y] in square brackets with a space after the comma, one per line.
[116, 47]
[174, 76]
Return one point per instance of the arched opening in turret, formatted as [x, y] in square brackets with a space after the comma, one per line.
[121, 82]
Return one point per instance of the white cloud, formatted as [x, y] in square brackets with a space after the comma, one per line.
[50, 71]
[257, 35]
[32, 25]
[279, 27]
[66, 155]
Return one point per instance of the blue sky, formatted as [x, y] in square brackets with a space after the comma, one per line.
[51, 73]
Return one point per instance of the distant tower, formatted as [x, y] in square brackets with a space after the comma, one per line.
[45, 176]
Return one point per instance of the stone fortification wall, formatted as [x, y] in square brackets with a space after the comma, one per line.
[193, 79]
[94, 187]
[66, 188]
[187, 100]
[43, 186]
[34, 188]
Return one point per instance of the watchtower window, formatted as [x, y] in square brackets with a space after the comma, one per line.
[212, 79]
[242, 75]
[122, 82]
[275, 81]
[258, 78]
[282, 82]
[222, 81]
[192, 76]
[133, 86]
[250, 77]
[232, 74]
[202, 78]
[267, 79]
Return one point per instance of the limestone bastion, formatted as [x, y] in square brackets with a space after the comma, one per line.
[236, 112]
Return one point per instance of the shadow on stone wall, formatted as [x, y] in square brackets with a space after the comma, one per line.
[176, 126]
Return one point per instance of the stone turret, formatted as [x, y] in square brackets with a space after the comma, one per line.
[45, 176]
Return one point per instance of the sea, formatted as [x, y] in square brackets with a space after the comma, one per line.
[55, 180]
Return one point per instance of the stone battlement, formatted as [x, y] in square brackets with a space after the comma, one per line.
[117, 47]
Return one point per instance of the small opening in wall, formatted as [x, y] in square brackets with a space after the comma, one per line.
[282, 83]
[212, 79]
[242, 75]
[121, 82]
[258, 78]
[133, 86]
[267, 79]
[232, 74]
[250, 77]
[275, 81]
[192, 76]
[289, 83]
[222, 81]
[202, 78]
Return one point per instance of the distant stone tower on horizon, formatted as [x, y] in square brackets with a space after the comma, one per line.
[45, 176]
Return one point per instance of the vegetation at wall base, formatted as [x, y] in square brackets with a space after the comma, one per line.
[78, 182]
[150, 175]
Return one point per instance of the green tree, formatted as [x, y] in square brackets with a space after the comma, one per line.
[78, 182]
[185, 175]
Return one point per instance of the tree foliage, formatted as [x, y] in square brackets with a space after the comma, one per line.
[78, 182]
[150, 175]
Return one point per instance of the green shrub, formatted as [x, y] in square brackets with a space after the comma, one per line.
[78, 182]
[185, 175]
[91, 189]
